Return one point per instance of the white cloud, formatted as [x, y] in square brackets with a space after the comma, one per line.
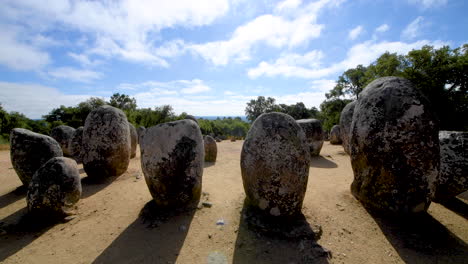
[127, 27]
[382, 28]
[34, 100]
[73, 74]
[429, 3]
[84, 59]
[363, 53]
[322, 85]
[288, 5]
[272, 30]
[355, 32]
[19, 55]
[413, 29]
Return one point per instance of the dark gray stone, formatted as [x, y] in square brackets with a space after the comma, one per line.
[275, 163]
[453, 175]
[106, 142]
[55, 187]
[29, 151]
[346, 118]
[140, 131]
[62, 134]
[211, 149]
[76, 145]
[172, 156]
[335, 135]
[394, 147]
[314, 134]
[191, 117]
[133, 140]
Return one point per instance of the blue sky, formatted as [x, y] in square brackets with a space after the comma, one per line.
[204, 57]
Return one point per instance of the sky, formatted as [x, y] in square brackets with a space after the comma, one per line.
[204, 57]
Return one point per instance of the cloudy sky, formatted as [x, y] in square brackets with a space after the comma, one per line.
[204, 57]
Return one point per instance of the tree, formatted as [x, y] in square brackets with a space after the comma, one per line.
[351, 83]
[331, 111]
[123, 102]
[259, 106]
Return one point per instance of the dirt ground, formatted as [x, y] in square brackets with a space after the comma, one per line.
[115, 223]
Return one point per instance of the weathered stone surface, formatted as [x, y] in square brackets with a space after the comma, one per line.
[218, 139]
[275, 163]
[211, 149]
[453, 175]
[133, 140]
[191, 117]
[63, 134]
[76, 145]
[172, 156]
[335, 135]
[29, 151]
[106, 142]
[394, 147]
[346, 118]
[55, 187]
[314, 134]
[140, 131]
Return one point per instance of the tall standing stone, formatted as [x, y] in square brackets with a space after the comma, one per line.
[55, 187]
[76, 145]
[106, 142]
[335, 135]
[140, 131]
[172, 156]
[314, 134]
[211, 149]
[275, 163]
[63, 134]
[133, 140]
[394, 147]
[29, 151]
[346, 118]
[453, 176]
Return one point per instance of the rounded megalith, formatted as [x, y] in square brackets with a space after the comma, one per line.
[453, 175]
[394, 147]
[55, 187]
[76, 145]
[133, 140]
[172, 156]
[191, 117]
[275, 163]
[29, 151]
[314, 134]
[211, 149]
[63, 134]
[140, 132]
[106, 143]
[335, 135]
[346, 118]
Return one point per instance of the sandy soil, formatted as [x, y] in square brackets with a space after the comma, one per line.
[114, 223]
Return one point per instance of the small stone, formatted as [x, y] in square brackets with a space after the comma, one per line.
[335, 135]
[207, 204]
[209, 236]
[220, 222]
[211, 149]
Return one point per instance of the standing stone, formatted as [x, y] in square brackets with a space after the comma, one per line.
[55, 187]
[191, 117]
[63, 134]
[29, 151]
[335, 135]
[346, 118]
[394, 147]
[133, 140]
[106, 142]
[275, 163]
[314, 134]
[76, 145]
[211, 149]
[140, 132]
[453, 176]
[172, 156]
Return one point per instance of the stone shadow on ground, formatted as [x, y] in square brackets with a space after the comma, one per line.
[156, 236]
[13, 196]
[20, 229]
[421, 239]
[261, 240]
[457, 206]
[207, 164]
[91, 186]
[321, 162]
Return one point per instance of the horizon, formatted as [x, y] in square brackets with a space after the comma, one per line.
[208, 59]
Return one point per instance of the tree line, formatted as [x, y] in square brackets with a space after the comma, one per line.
[440, 74]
